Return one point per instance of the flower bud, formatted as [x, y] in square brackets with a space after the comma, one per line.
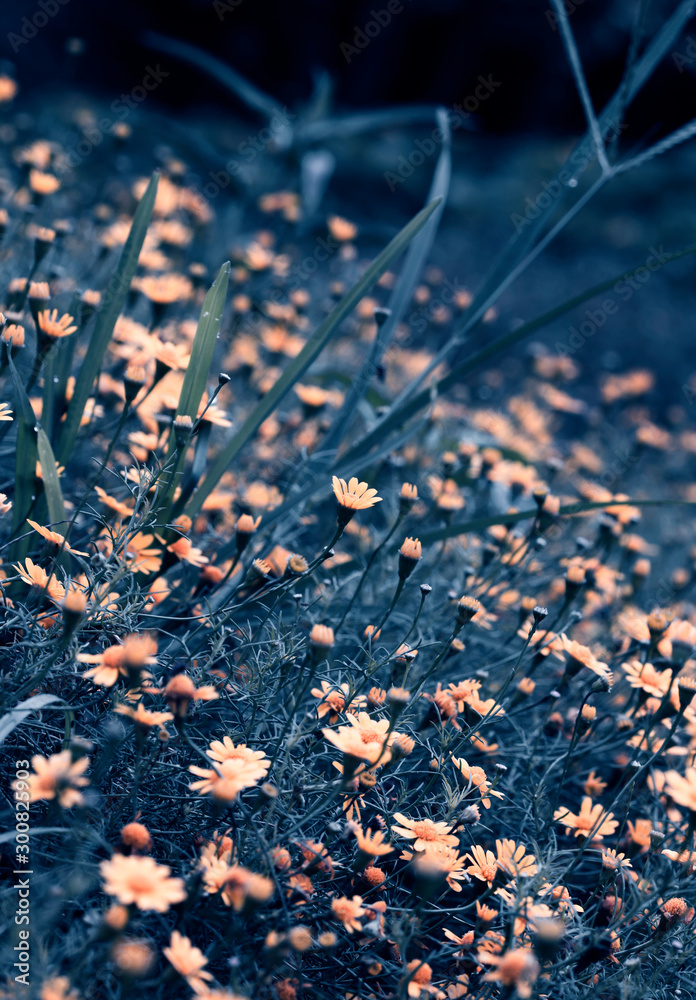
[409, 556]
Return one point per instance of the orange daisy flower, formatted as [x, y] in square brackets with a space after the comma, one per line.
[185, 551]
[58, 777]
[240, 884]
[229, 779]
[442, 860]
[144, 718]
[682, 790]
[35, 576]
[355, 495]
[140, 880]
[348, 912]
[589, 817]
[135, 652]
[581, 656]
[372, 843]
[333, 700]
[188, 961]
[647, 678]
[143, 557]
[484, 864]
[226, 750]
[420, 974]
[52, 327]
[517, 968]
[513, 859]
[614, 861]
[477, 777]
[365, 738]
[54, 537]
[424, 832]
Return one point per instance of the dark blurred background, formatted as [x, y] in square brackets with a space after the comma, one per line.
[430, 51]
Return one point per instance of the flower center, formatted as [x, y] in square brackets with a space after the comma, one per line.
[370, 736]
[425, 830]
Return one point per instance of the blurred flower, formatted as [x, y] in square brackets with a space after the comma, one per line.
[365, 738]
[135, 652]
[348, 912]
[58, 777]
[229, 779]
[55, 328]
[140, 880]
[188, 961]
[143, 717]
[682, 789]
[37, 577]
[517, 969]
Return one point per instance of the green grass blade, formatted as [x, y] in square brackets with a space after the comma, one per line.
[51, 482]
[113, 301]
[520, 249]
[61, 361]
[401, 296]
[25, 464]
[307, 355]
[196, 377]
[416, 402]
[242, 88]
[358, 123]
[16, 716]
[570, 510]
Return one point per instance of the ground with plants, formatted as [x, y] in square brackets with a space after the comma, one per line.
[363, 667]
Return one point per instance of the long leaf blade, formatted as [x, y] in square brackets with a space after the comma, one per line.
[570, 510]
[51, 482]
[25, 460]
[112, 303]
[307, 355]
[20, 712]
[401, 295]
[196, 376]
[396, 417]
